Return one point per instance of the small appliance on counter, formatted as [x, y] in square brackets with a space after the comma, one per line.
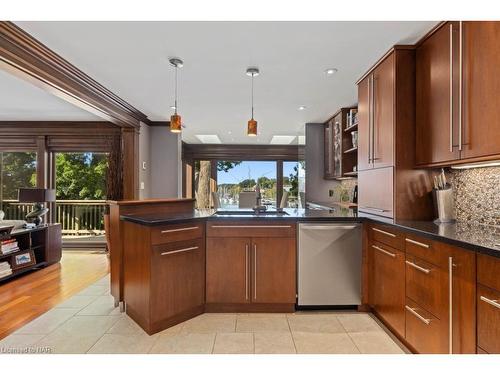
[442, 195]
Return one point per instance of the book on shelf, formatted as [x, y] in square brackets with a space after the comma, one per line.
[5, 269]
[9, 246]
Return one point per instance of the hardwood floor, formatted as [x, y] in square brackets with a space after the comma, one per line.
[25, 298]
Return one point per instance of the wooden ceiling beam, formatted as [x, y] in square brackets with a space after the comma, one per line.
[27, 58]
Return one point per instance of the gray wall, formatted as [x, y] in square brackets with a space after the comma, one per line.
[165, 163]
[144, 162]
[316, 186]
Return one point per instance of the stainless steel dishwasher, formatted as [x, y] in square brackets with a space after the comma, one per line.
[329, 264]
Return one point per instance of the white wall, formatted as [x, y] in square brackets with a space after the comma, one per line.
[144, 162]
[165, 163]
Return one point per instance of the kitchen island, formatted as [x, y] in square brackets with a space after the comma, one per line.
[179, 265]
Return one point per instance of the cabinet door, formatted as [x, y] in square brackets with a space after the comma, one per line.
[436, 99]
[337, 145]
[364, 131]
[481, 85]
[328, 151]
[488, 319]
[383, 113]
[228, 268]
[273, 270]
[463, 301]
[389, 285]
[177, 278]
[376, 188]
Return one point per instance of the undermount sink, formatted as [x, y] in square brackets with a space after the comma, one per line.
[250, 213]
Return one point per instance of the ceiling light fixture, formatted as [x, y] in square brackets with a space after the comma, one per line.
[302, 107]
[175, 119]
[252, 124]
[331, 71]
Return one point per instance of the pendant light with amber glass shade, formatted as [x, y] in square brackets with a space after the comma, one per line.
[175, 119]
[252, 124]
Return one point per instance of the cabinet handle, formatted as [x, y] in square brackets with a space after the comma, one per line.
[460, 71]
[450, 302]
[370, 118]
[492, 302]
[246, 271]
[417, 243]
[384, 251]
[178, 230]
[251, 226]
[424, 270]
[255, 271]
[451, 87]
[180, 250]
[384, 232]
[426, 321]
[373, 121]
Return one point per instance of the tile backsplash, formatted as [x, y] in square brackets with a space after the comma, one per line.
[477, 195]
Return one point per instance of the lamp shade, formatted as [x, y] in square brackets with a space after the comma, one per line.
[36, 195]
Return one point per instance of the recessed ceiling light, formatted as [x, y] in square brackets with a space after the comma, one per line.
[302, 107]
[172, 107]
[282, 139]
[208, 138]
[331, 71]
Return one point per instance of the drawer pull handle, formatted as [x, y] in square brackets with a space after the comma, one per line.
[178, 230]
[492, 302]
[424, 270]
[384, 251]
[426, 321]
[384, 232]
[246, 271]
[417, 243]
[251, 226]
[180, 250]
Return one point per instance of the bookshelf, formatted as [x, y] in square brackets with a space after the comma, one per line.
[43, 245]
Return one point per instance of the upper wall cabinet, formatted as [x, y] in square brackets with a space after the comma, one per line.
[457, 86]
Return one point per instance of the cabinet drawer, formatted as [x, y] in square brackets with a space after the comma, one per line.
[433, 252]
[427, 285]
[250, 229]
[387, 235]
[488, 319]
[176, 232]
[488, 269]
[424, 332]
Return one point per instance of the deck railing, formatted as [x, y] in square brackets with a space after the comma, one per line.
[77, 217]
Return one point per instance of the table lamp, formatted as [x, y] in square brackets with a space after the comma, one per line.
[39, 197]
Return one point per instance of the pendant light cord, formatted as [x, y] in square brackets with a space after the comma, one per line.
[175, 104]
[252, 95]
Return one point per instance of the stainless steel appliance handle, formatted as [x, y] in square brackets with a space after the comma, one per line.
[492, 302]
[178, 230]
[327, 227]
[384, 251]
[251, 226]
[416, 266]
[460, 71]
[246, 270]
[451, 87]
[426, 321]
[374, 209]
[417, 243]
[384, 232]
[180, 250]
[255, 271]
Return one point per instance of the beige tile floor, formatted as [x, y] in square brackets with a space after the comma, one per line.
[89, 323]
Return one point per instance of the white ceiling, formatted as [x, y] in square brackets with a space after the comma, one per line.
[22, 101]
[131, 59]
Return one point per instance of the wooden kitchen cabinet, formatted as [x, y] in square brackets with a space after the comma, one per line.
[388, 289]
[488, 304]
[457, 83]
[274, 270]
[228, 268]
[389, 184]
[436, 99]
[251, 267]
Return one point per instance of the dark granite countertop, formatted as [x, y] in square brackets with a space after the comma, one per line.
[480, 238]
